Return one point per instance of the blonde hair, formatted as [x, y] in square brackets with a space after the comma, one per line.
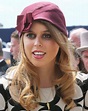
[25, 84]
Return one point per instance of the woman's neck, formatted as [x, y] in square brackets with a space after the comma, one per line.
[46, 75]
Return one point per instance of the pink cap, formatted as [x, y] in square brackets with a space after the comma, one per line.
[41, 11]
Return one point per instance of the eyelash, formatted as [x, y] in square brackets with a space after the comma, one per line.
[31, 36]
[44, 36]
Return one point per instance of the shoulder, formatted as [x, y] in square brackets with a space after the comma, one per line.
[82, 81]
[82, 76]
[78, 91]
[6, 79]
[3, 98]
[78, 97]
[86, 100]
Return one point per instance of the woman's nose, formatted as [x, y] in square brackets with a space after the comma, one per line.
[37, 42]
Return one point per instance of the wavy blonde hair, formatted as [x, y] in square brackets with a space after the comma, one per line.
[25, 83]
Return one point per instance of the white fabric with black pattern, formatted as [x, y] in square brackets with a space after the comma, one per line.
[57, 104]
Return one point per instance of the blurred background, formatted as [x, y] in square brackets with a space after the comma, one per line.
[75, 12]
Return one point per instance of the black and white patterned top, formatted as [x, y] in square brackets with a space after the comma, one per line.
[82, 80]
[3, 67]
[55, 102]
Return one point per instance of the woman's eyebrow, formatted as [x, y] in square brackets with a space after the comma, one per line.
[42, 31]
[46, 31]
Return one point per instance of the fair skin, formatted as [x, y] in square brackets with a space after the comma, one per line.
[85, 59]
[75, 41]
[14, 49]
[75, 36]
[41, 50]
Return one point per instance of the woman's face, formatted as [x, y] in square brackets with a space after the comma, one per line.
[39, 45]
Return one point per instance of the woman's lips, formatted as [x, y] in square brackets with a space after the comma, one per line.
[38, 54]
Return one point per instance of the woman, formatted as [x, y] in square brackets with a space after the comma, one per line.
[43, 79]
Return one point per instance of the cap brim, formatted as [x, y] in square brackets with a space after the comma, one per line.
[80, 49]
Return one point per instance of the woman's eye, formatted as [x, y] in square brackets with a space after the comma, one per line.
[31, 36]
[47, 36]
